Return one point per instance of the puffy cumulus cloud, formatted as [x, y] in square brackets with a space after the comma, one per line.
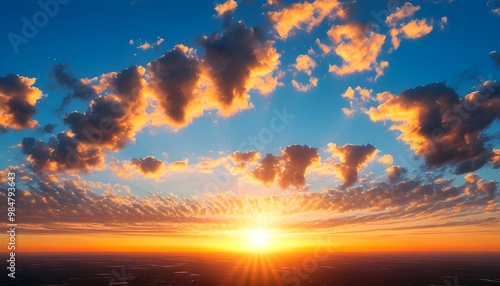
[416, 29]
[48, 128]
[305, 87]
[243, 161]
[406, 11]
[471, 178]
[413, 30]
[353, 159]
[62, 153]
[112, 121]
[304, 16]
[148, 167]
[287, 169]
[357, 97]
[18, 98]
[174, 80]
[236, 61]
[226, 8]
[395, 173]
[495, 57]
[305, 64]
[80, 88]
[386, 159]
[267, 170]
[358, 48]
[442, 127]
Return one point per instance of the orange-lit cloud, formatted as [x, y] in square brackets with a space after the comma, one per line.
[353, 159]
[407, 10]
[357, 48]
[357, 97]
[304, 16]
[442, 127]
[227, 7]
[386, 159]
[235, 62]
[174, 82]
[288, 169]
[18, 98]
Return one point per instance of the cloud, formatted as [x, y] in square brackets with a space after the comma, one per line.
[495, 57]
[305, 64]
[112, 121]
[442, 127]
[495, 6]
[48, 128]
[413, 30]
[357, 48]
[235, 62]
[62, 153]
[357, 97]
[305, 87]
[407, 10]
[18, 98]
[174, 79]
[145, 46]
[148, 167]
[80, 88]
[304, 16]
[443, 22]
[495, 159]
[74, 205]
[289, 168]
[386, 159]
[226, 8]
[353, 159]
[395, 173]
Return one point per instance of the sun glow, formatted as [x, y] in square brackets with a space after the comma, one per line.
[258, 239]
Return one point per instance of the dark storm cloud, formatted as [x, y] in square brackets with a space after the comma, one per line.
[174, 77]
[442, 127]
[17, 102]
[79, 89]
[353, 159]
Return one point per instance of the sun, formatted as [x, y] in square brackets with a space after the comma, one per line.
[258, 239]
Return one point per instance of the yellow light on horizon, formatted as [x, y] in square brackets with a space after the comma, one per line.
[258, 239]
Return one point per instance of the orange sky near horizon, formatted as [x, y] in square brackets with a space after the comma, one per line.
[449, 239]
